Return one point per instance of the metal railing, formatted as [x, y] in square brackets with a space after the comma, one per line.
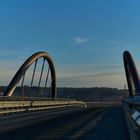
[131, 107]
[10, 105]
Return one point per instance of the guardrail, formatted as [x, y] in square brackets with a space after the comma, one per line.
[10, 105]
[132, 113]
[132, 106]
[25, 98]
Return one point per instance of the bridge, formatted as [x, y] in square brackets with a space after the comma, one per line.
[35, 112]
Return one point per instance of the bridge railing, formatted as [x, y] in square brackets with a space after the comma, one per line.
[25, 98]
[10, 105]
[131, 108]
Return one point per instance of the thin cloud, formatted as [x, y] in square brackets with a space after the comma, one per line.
[79, 40]
[89, 76]
[101, 74]
[112, 79]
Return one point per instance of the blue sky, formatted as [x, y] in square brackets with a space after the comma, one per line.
[86, 38]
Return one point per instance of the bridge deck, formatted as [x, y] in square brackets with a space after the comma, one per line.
[95, 123]
[111, 127]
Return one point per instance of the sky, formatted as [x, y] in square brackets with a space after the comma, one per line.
[85, 38]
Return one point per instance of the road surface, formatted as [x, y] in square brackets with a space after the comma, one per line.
[103, 123]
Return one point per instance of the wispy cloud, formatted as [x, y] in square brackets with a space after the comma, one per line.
[96, 75]
[79, 40]
[112, 79]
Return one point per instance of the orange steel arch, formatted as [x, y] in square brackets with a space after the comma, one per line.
[11, 87]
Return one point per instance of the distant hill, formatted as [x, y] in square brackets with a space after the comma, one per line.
[92, 94]
[84, 94]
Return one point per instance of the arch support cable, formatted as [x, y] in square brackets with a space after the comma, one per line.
[46, 81]
[41, 73]
[33, 75]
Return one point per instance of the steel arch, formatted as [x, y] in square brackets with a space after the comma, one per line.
[131, 74]
[11, 87]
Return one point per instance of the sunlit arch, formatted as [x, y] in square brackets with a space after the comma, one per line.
[21, 72]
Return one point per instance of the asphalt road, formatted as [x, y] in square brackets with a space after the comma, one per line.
[111, 127]
[104, 123]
